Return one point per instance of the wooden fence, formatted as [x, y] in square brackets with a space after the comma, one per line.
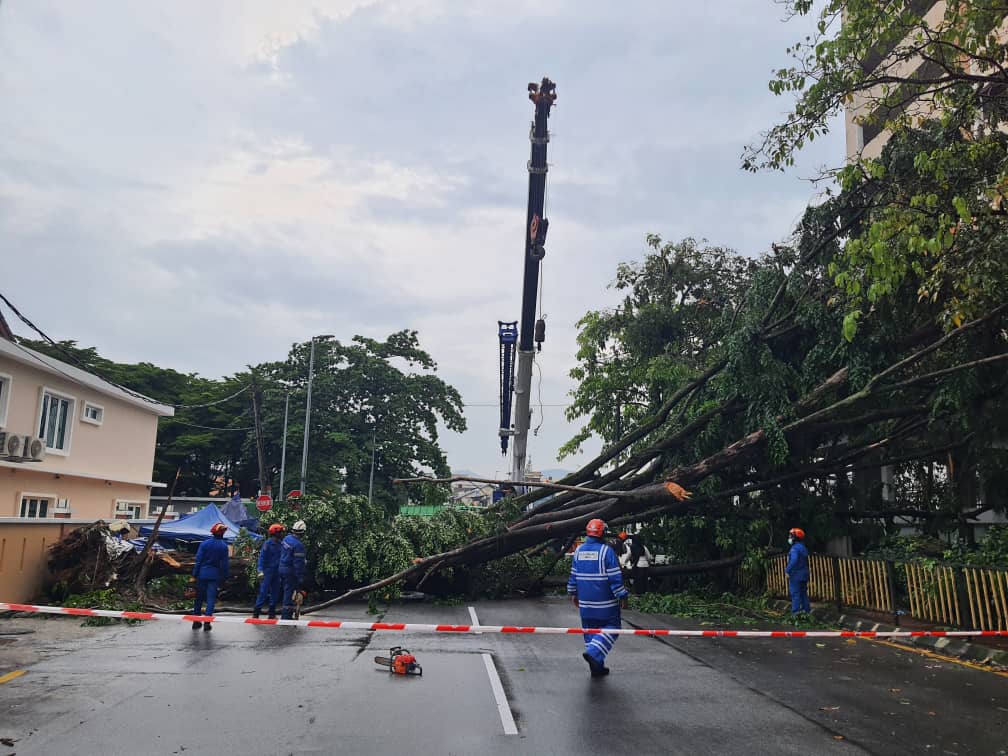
[975, 598]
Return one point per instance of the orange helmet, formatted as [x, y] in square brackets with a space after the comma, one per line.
[275, 528]
[623, 536]
[595, 528]
[218, 529]
[797, 533]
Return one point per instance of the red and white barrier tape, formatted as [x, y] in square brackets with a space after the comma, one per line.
[412, 627]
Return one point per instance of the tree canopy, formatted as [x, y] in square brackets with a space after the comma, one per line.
[366, 394]
[934, 76]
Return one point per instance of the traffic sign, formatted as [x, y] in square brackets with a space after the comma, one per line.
[264, 503]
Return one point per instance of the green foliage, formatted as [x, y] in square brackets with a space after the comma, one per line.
[105, 599]
[168, 585]
[907, 548]
[724, 610]
[837, 65]
[679, 306]
[992, 551]
[935, 226]
[366, 394]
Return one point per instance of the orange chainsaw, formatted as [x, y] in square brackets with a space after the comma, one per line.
[400, 662]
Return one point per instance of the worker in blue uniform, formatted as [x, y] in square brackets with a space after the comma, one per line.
[268, 569]
[798, 572]
[596, 588]
[210, 571]
[292, 567]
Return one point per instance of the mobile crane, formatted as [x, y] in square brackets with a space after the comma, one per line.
[531, 331]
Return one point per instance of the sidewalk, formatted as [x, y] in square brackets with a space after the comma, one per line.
[992, 651]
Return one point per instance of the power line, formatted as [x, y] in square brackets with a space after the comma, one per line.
[497, 404]
[207, 427]
[90, 369]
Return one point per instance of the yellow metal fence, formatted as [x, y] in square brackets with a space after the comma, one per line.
[974, 597]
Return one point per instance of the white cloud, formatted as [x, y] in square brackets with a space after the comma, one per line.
[213, 182]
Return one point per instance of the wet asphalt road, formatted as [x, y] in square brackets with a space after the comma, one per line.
[162, 688]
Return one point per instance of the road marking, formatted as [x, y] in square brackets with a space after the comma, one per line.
[502, 703]
[475, 621]
[12, 676]
[503, 708]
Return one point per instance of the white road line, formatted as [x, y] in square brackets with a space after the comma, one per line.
[475, 621]
[503, 708]
[498, 690]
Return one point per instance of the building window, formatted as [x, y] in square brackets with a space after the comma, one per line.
[55, 426]
[128, 509]
[5, 391]
[155, 509]
[93, 413]
[34, 506]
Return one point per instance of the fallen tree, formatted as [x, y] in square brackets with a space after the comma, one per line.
[752, 392]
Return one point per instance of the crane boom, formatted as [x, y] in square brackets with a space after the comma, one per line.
[543, 95]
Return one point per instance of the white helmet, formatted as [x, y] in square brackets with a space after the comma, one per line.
[299, 527]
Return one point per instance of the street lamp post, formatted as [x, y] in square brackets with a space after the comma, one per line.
[307, 418]
[283, 448]
[370, 487]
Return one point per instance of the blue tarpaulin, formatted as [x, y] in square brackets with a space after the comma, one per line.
[195, 527]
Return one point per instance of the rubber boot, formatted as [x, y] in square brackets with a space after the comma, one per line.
[196, 625]
[593, 664]
[272, 614]
[255, 613]
[207, 627]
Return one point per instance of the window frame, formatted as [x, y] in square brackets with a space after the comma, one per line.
[49, 498]
[136, 508]
[6, 382]
[71, 415]
[85, 406]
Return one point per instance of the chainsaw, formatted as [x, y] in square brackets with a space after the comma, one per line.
[400, 662]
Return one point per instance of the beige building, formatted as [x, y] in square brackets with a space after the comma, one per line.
[865, 118]
[73, 449]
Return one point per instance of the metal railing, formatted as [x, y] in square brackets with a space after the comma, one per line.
[975, 598]
[986, 591]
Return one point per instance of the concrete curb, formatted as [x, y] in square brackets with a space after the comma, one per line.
[954, 647]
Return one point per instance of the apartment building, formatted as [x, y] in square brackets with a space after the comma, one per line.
[865, 118]
[73, 449]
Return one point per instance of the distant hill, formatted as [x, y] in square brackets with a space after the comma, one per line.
[556, 473]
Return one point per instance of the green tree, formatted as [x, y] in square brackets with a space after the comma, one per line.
[365, 392]
[935, 221]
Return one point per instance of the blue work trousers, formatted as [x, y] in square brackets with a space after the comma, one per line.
[598, 645]
[206, 590]
[289, 584]
[799, 595]
[269, 591]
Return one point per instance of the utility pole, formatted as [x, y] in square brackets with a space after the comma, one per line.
[307, 419]
[370, 487]
[265, 485]
[283, 451]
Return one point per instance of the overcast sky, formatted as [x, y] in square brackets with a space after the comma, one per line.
[200, 185]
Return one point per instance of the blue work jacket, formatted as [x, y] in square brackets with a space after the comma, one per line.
[797, 563]
[269, 556]
[211, 560]
[292, 557]
[596, 579]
